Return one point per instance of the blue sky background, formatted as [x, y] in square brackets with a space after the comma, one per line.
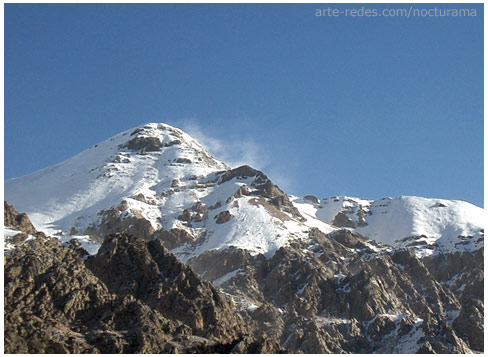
[367, 107]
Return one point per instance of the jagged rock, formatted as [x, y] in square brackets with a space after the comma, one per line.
[347, 238]
[241, 171]
[174, 237]
[144, 143]
[223, 217]
[240, 192]
[113, 221]
[147, 271]
[172, 142]
[185, 216]
[469, 324]
[463, 274]
[312, 198]
[78, 248]
[361, 218]
[342, 220]
[54, 304]
[200, 207]
[343, 297]
[16, 220]
[140, 197]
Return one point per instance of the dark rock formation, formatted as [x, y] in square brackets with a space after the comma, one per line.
[135, 298]
[174, 237]
[463, 274]
[241, 171]
[335, 294]
[312, 198]
[144, 143]
[263, 186]
[114, 221]
[223, 217]
[16, 220]
[342, 220]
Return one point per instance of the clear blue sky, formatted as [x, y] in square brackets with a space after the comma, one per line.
[362, 106]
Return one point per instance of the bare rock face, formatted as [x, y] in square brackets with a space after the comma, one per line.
[145, 143]
[16, 220]
[312, 198]
[113, 221]
[223, 217]
[336, 294]
[342, 220]
[197, 213]
[21, 226]
[135, 297]
[148, 272]
[241, 171]
[174, 237]
[463, 274]
[263, 186]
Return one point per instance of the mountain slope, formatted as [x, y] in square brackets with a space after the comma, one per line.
[57, 303]
[157, 178]
[339, 275]
[140, 161]
[426, 225]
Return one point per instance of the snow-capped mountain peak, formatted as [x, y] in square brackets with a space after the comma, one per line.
[157, 180]
[129, 165]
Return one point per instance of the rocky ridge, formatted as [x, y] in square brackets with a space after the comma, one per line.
[132, 297]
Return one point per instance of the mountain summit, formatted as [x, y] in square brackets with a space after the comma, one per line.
[134, 164]
[339, 274]
[156, 178]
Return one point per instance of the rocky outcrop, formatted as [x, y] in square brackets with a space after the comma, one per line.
[116, 220]
[223, 217]
[312, 198]
[338, 293]
[144, 143]
[240, 172]
[134, 298]
[174, 237]
[148, 272]
[15, 220]
[342, 220]
[463, 274]
[197, 213]
[263, 187]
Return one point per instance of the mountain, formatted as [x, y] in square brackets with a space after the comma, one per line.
[339, 274]
[429, 226]
[134, 298]
[157, 178]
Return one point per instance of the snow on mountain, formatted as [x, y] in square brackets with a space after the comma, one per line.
[153, 173]
[74, 191]
[426, 225]
[157, 178]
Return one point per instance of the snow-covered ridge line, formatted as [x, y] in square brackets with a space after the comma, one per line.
[160, 175]
[425, 224]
